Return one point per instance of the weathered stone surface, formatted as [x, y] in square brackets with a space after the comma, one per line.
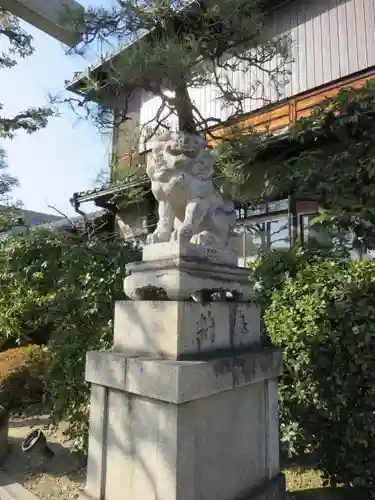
[180, 278]
[182, 430]
[97, 452]
[177, 250]
[213, 448]
[181, 381]
[190, 207]
[175, 329]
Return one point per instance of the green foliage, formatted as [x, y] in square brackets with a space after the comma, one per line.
[91, 283]
[22, 373]
[30, 268]
[7, 183]
[324, 320]
[62, 290]
[176, 45]
[270, 269]
[330, 155]
[18, 43]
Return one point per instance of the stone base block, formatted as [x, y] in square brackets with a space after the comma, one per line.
[179, 329]
[183, 278]
[176, 250]
[183, 430]
[272, 489]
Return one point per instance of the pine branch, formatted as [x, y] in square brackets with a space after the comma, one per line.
[20, 42]
[177, 46]
[29, 120]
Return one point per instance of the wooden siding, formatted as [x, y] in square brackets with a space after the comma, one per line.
[331, 39]
[280, 117]
[277, 118]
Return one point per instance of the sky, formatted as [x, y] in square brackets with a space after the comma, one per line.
[65, 157]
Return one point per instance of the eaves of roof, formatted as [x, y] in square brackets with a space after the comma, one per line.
[112, 189]
[271, 147]
[108, 190]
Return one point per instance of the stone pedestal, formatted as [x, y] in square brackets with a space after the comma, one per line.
[181, 272]
[184, 407]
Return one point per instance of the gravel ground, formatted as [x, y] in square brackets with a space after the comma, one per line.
[61, 478]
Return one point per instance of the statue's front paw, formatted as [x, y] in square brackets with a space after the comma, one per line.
[174, 236]
[184, 234]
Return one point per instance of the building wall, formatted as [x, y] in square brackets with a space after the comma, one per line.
[131, 225]
[330, 39]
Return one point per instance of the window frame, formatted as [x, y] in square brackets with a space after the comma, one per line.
[295, 208]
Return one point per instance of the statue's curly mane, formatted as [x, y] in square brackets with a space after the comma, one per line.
[181, 155]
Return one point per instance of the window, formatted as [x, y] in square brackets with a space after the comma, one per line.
[313, 235]
[281, 223]
[268, 226]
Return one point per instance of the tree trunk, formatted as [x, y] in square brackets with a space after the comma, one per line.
[184, 109]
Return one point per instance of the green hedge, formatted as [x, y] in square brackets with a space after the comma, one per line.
[323, 317]
[30, 267]
[61, 291]
[22, 377]
[271, 268]
[92, 281]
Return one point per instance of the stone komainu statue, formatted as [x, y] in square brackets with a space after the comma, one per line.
[191, 209]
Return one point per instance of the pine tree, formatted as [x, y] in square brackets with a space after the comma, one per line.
[175, 46]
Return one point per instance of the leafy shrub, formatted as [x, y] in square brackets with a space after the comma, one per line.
[91, 282]
[29, 271]
[324, 320]
[22, 372]
[271, 268]
[62, 290]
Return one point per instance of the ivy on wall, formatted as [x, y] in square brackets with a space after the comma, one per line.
[329, 155]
